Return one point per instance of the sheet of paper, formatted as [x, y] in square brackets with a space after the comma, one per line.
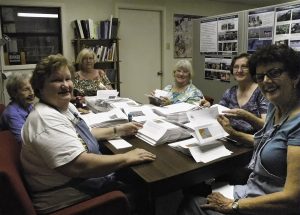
[224, 188]
[209, 153]
[120, 143]
[107, 94]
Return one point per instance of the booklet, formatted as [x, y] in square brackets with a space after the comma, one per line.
[105, 119]
[141, 113]
[107, 94]
[205, 126]
[159, 131]
[204, 153]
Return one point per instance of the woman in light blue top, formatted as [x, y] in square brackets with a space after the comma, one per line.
[273, 186]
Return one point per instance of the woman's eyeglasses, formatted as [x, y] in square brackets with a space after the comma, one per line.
[272, 73]
[237, 67]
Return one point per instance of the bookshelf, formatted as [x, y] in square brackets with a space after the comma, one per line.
[107, 51]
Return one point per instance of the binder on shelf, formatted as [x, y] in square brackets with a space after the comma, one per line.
[76, 24]
[114, 28]
[85, 28]
[91, 29]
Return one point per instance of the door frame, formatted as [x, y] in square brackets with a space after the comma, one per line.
[162, 11]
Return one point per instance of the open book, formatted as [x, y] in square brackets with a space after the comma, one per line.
[105, 119]
[205, 126]
[156, 132]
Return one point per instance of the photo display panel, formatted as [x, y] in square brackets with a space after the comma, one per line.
[260, 28]
[217, 68]
[219, 35]
[287, 25]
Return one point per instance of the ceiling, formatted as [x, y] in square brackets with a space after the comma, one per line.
[258, 2]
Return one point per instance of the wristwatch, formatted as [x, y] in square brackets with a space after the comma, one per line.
[235, 206]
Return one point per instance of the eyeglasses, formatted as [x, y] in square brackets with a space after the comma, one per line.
[272, 73]
[244, 68]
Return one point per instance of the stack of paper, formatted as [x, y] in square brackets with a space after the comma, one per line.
[204, 153]
[107, 94]
[102, 105]
[205, 125]
[175, 112]
[105, 119]
[141, 113]
[156, 132]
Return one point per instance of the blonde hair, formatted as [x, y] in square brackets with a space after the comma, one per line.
[83, 54]
[184, 65]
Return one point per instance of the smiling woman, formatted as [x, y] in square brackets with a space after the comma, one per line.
[61, 156]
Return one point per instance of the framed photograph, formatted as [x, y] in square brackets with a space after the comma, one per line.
[183, 35]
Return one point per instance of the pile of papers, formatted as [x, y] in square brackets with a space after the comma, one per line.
[105, 119]
[175, 112]
[141, 113]
[204, 153]
[101, 105]
[156, 132]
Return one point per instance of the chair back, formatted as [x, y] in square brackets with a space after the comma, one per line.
[14, 198]
[2, 107]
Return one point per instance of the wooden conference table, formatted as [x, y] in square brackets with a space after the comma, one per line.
[172, 170]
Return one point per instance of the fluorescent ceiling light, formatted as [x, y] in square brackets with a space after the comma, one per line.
[41, 15]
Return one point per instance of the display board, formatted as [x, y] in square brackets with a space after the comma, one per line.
[217, 39]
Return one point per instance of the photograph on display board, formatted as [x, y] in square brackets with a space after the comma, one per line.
[260, 28]
[287, 24]
[183, 35]
[216, 68]
[228, 35]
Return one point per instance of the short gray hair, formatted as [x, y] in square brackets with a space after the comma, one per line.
[185, 65]
[15, 82]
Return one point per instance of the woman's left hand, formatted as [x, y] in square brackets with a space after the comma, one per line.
[165, 101]
[128, 129]
[237, 113]
[217, 202]
[225, 123]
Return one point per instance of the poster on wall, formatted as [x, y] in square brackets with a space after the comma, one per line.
[228, 35]
[216, 68]
[208, 36]
[287, 24]
[183, 35]
[260, 28]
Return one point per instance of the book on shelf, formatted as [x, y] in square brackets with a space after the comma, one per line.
[76, 24]
[205, 126]
[105, 119]
[85, 28]
[114, 23]
[158, 131]
[91, 28]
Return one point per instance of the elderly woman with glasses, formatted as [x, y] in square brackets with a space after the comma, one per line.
[273, 185]
[248, 107]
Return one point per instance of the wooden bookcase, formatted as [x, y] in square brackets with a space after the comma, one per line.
[110, 66]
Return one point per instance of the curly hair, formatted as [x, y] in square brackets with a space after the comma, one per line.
[45, 68]
[276, 54]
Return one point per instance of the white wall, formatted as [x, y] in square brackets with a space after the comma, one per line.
[102, 9]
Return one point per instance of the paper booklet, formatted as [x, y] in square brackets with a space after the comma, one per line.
[205, 126]
[156, 132]
[105, 119]
[204, 153]
[175, 112]
[102, 105]
[141, 113]
[107, 94]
